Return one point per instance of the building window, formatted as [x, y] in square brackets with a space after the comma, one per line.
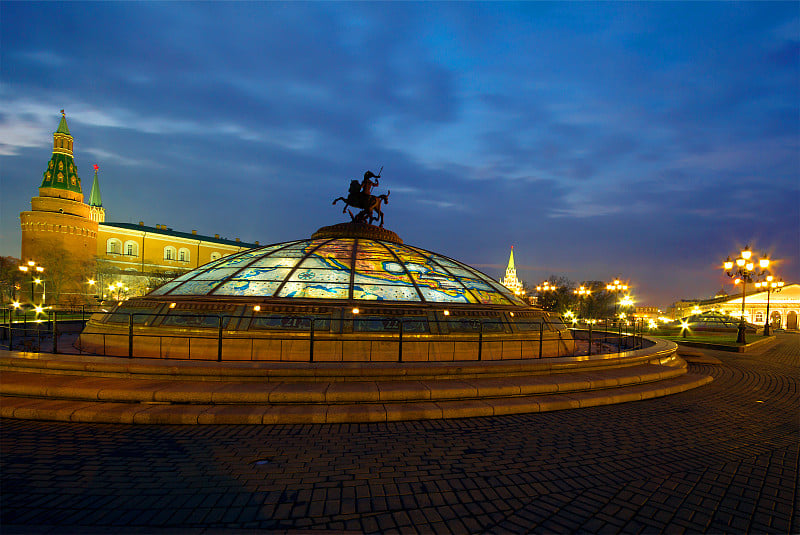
[183, 254]
[131, 248]
[759, 317]
[114, 246]
[169, 253]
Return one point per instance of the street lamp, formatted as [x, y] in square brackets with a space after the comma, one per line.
[772, 286]
[545, 287]
[744, 270]
[581, 293]
[44, 288]
[615, 287]
[117, 287]
[33, 269]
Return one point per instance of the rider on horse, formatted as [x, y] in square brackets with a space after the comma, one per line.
[360, 196]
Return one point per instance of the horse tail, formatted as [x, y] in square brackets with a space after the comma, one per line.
[386, 197]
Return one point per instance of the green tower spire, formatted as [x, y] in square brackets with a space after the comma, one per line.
[62, 126]
[61, 172]
[94, 196]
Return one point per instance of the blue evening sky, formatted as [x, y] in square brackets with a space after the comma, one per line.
[641, 140]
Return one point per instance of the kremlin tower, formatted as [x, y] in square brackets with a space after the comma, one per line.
[97, 211]
[70, 242]
[510, 281]
[59, 219]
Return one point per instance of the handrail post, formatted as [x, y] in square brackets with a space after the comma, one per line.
[619, 337]
[400, 343]
[11, 329]
[480, 340]
[130, 335]
[641, 334]
[590, 339]
[311, 342]
[219, 337]
[55, 333]
[541, 336]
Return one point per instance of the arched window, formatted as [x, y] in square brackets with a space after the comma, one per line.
[114, 246]
[183, 254]
[170, 253]
[131, 248]
[215, 255]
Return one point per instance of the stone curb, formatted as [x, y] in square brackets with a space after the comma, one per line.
[732, 349]
[130, 390]
[323, 371]
[77, 388]
[143, 413]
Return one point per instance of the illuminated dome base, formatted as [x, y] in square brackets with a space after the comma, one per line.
[352, 292]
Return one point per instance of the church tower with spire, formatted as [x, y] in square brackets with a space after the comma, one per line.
[510, 281]
[98, 213]
[59, 222]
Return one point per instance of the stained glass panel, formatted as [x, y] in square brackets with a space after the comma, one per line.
[314, 290]
[166, 288]
[216, 274]
[453, 296]
[320, 275]
[263, 274]
[247, 288]
[384, 292]
[195, 287]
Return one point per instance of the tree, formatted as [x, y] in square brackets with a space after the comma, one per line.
[64, 275]
[160, 278]
[10, 279]
[596, 304]
[559, 300]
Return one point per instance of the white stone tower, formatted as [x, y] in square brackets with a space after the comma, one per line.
[510, 281]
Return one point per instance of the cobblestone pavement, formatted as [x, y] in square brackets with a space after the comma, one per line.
[722, 458]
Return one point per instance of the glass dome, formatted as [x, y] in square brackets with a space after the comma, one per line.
[356, 269]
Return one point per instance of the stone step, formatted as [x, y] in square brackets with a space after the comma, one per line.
[136, 390]
[661, 352]
[70, 410]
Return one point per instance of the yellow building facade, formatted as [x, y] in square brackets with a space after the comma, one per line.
[84, 257]
[783, 306]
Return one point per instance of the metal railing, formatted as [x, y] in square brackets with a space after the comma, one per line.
[474, 336]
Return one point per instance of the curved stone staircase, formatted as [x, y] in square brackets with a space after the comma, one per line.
[115, 390]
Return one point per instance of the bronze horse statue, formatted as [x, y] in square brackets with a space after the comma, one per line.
[359, 196]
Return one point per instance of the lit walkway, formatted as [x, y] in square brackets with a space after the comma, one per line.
[719, 458]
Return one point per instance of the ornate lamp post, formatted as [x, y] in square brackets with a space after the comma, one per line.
[118, 287]
[33, 269]
[581, 293]
[544, 288]
[626, 301]
[772, 286]
[43, 282]
[744, 270]
[615, 287]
